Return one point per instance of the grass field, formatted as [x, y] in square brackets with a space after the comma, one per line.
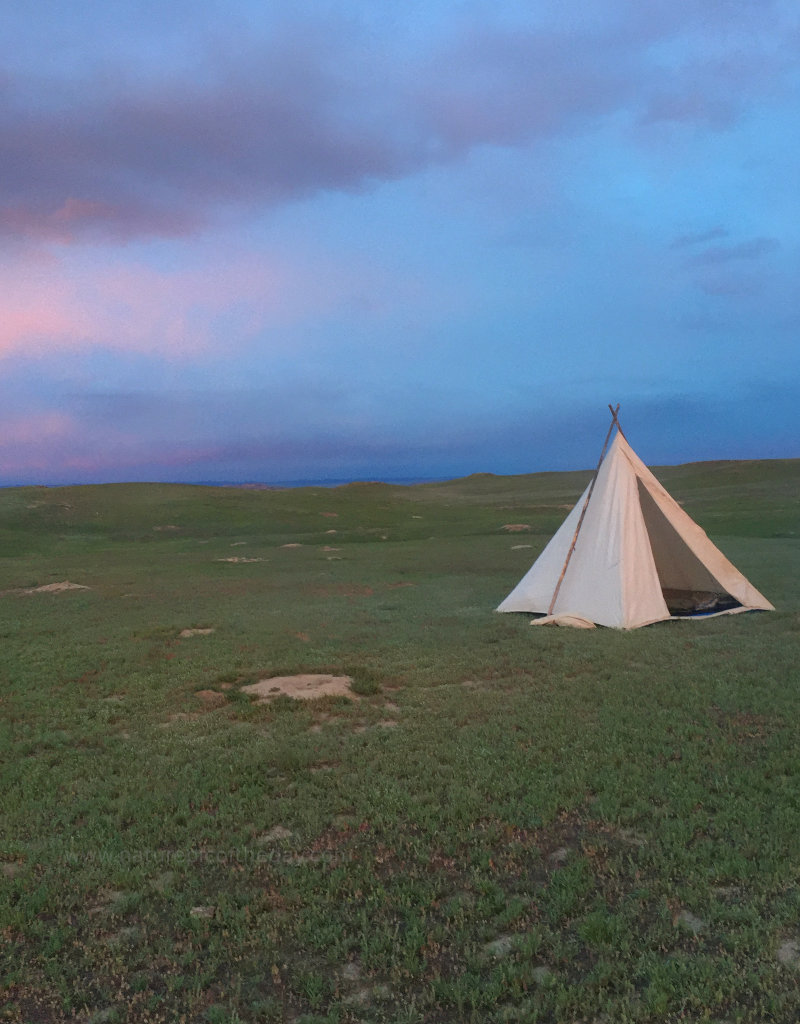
[507, 824]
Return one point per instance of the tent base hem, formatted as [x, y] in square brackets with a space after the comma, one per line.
[576, 621]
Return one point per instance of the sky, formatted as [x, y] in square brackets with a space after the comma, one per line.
[274, 240]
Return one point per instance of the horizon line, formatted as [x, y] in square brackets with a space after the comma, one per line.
[332, 482]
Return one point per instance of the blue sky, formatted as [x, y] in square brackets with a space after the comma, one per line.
[274, 241]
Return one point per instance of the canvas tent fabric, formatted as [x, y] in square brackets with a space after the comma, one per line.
[639, 558]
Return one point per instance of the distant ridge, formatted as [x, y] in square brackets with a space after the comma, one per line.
[737, 466]
[282, 485]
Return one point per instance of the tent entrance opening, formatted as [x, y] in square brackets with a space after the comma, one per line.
[687, 585]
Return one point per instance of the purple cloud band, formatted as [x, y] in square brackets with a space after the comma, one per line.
[310, 112]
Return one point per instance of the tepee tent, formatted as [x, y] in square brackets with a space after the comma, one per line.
[628, 555]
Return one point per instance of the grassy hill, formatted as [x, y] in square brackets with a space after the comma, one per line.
[504, 824]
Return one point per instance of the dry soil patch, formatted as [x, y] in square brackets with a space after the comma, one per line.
[55, 588]
[501, 946]
[789, 953]
[694, 924]
[276, 833]
[202, 912]
[303, 687]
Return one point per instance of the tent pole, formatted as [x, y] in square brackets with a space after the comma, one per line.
[614, 422]
[615, 419]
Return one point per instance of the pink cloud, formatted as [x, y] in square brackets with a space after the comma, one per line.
[60, 304]
[35, 442]
[69, 445]
[33, 429]
[39, 307]
[74, 447]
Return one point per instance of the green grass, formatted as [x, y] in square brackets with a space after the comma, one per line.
[509, 824]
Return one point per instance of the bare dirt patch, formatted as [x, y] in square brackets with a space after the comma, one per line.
[301, 687]
[351, 972]
[631, 837]
[204, 631]
[690, 921]
[789, 953]
[501, 946]
[274, 834]
[54, 588]
[126, 936]
[238, 559]
[516, 527]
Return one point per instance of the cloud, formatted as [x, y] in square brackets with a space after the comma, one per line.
[699, 238]
[508, 88]
[37, 428]
[751, 249]
[217, 303]
[94, 220]
[316, 105]
[53, 305]
[151, 160]
[216, 437]
[708, 92]
[737, 271]
[35, 442]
